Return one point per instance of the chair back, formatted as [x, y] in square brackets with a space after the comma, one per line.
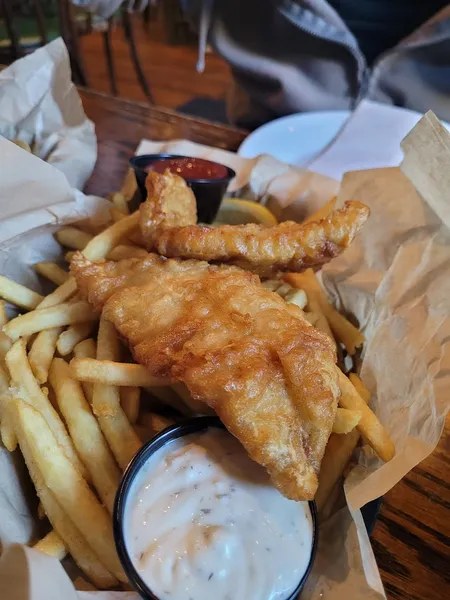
[20, 44]
[70, 27]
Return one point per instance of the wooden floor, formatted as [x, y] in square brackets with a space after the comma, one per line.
[170, 70]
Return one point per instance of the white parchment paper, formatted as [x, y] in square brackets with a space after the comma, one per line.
[394, 279]
[40, 105]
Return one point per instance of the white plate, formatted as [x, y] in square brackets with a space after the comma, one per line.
[370, 139]
[294, 139]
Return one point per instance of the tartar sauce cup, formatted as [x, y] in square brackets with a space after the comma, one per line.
[209, 180]
[126, 490]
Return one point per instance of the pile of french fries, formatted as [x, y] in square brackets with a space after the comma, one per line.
[71, 400]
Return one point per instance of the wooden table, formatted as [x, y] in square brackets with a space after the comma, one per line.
[120, 125]
[411, 539]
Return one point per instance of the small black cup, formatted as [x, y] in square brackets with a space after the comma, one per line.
[186, 427]
[208, 192]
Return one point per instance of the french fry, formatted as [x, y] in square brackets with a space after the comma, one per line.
[5, 341]
[53, 545]
[337, 454]
[129, 185]
[22, 144]
[62, 293]
[9, 438]
[321, 320]
[346, 420]
[69, 255]
[119, 200]
[94, 224]
[370, 428]
[301, 281]
[73, 336]
[81, 585]
[283, 289]
[124, 251]
[272, 284]
[5, 345]
[116, 428]
[136, 238]
[42, 352]
[297, 297]
[311, 318]
[69, 488]
[130, 401]
[80, 550]
[116, 214]
[154, 422]
[23, 378]
[343, 330]
[85, 432]
[360, 387]
[322, 213]
[48, 318]
[102, 244]
[3, 315]
[52, 272]
[19, 295]
[114, 373]
[7, 431]
[72, 237]
[4, 380]
[86, 349]
[40, 511]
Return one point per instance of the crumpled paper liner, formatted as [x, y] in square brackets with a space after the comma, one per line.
[40, 105]
[33, 193]
[395, 279]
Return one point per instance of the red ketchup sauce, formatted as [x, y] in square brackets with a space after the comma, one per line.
[189, 168]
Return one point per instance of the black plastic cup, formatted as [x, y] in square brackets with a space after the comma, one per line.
[186, 427]
[208, 192]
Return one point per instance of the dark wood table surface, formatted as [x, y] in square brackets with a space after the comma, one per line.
[411, 538]
[120, 125]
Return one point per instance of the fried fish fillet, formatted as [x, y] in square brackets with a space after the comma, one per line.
[288, 246]
[255, 360]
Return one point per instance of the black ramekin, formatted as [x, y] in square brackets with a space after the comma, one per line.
[186, 427]
[208, 192]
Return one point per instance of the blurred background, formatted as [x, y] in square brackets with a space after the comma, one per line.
[147, 56]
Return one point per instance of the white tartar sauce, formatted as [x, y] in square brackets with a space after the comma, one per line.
[203, 522]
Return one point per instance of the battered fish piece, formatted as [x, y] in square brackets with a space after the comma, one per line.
[255, 360]
[171, 201]
[288, 246]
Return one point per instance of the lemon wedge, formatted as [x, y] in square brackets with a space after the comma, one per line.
[235, 211]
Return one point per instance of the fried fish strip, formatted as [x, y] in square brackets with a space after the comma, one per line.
[240, 348]
[168, 226]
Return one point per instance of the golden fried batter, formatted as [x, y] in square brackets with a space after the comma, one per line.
[255, 360]
[170, 203]
[288, 246]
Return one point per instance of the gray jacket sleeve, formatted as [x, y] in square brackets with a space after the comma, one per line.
[289, 57]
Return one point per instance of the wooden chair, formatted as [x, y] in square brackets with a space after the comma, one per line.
[129, 32]
[71, 28]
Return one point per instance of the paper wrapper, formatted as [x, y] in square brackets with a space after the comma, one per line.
[40, 105]
[395, 279]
